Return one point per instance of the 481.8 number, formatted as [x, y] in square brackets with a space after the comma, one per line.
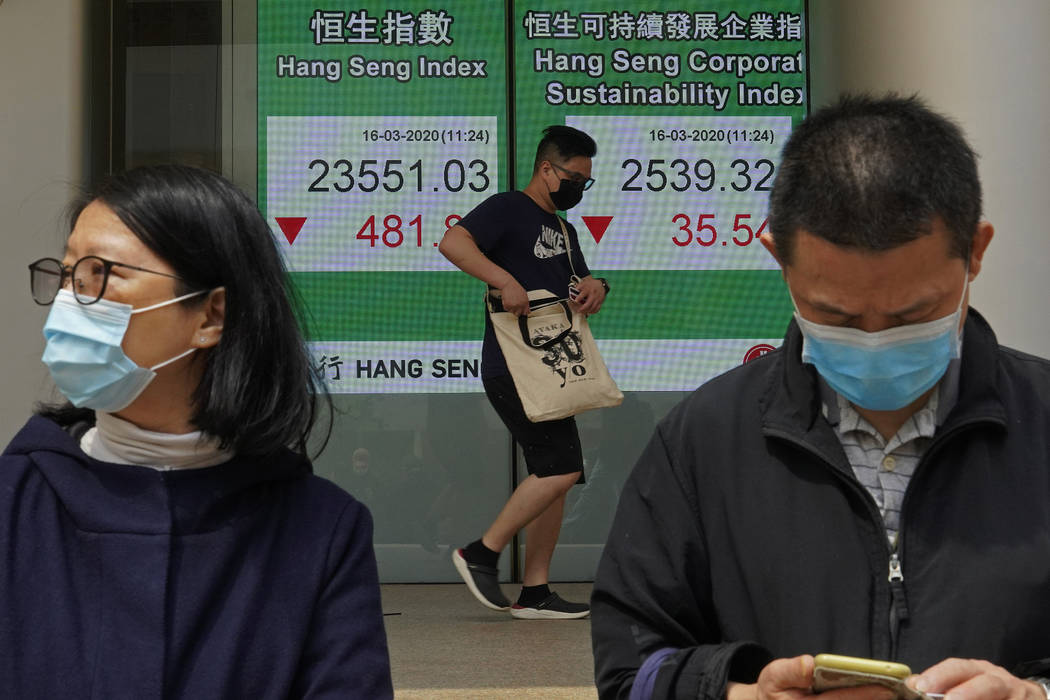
[390, 230]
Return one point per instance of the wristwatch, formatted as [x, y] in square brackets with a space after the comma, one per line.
[1043, 682]
[605, 284]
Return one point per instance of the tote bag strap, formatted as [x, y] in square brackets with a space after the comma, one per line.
[523, 325]
[568, 244]
[494, 303]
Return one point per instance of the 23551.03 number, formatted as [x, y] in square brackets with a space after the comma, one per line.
[393, 175]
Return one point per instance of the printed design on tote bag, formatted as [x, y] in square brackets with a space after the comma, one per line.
[565, 357]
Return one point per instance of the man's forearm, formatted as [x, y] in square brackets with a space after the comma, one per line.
[459, 248]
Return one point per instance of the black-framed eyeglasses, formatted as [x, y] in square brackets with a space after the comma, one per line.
[575, 176]
[89, 275]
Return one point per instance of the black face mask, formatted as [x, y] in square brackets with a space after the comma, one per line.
[568, 194]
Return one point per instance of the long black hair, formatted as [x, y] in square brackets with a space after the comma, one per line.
[258, 390]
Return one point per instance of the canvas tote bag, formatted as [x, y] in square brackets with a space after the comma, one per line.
[552, 356]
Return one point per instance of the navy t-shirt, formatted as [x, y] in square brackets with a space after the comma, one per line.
[525, 240]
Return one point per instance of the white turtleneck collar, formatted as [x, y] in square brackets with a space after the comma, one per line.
[116, 440]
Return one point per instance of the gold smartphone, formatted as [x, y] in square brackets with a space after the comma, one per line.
[834, 671]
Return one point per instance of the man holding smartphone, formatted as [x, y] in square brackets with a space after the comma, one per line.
[879, 486]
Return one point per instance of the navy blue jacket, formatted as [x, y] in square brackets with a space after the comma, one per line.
[251, 579]
[742, 534]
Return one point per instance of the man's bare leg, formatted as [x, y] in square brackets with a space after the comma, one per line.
[541, 535]
[536, 505]
[530, 500]
[537, 601]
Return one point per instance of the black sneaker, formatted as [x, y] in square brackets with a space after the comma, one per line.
[483, 582]
[551, 608]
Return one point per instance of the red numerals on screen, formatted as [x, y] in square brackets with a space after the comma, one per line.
[703, 229]
[393, 230]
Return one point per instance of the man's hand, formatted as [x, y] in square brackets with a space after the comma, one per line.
[792, 679]
[591, 296]
[514, 297]
[459, 247]
[971, 679]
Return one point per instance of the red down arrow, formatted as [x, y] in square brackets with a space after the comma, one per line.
[290, 226]
[597, 226]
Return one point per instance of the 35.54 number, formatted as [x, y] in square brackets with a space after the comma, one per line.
[706, 233]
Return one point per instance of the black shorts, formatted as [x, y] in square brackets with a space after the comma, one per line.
[550, 447]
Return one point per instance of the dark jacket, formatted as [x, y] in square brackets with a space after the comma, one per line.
[251, 579]
[742, 534]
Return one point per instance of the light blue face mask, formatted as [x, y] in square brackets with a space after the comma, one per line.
[84, 355]
[886, 370]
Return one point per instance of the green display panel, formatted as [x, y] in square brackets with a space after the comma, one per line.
[381, 124]
[690, 106]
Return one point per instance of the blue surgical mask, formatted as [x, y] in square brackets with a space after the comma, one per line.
[84, 353]
[886, 370]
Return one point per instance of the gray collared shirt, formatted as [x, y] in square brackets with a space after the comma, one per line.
[885, 467]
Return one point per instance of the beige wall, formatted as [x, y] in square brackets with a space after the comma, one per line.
[987, 65]
[42, 144]
[984, 63]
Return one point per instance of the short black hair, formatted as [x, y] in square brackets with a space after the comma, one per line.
[258, 391]
[561, 143]
[873, 174]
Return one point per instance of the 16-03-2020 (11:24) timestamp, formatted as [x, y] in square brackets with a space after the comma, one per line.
[444, 136]
[727, 136]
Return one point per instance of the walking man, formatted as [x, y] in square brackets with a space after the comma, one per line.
[513, 241]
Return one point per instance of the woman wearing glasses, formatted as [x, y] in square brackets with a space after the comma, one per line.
[163, 535]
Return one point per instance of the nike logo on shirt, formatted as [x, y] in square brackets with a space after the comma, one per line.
[549, 244]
